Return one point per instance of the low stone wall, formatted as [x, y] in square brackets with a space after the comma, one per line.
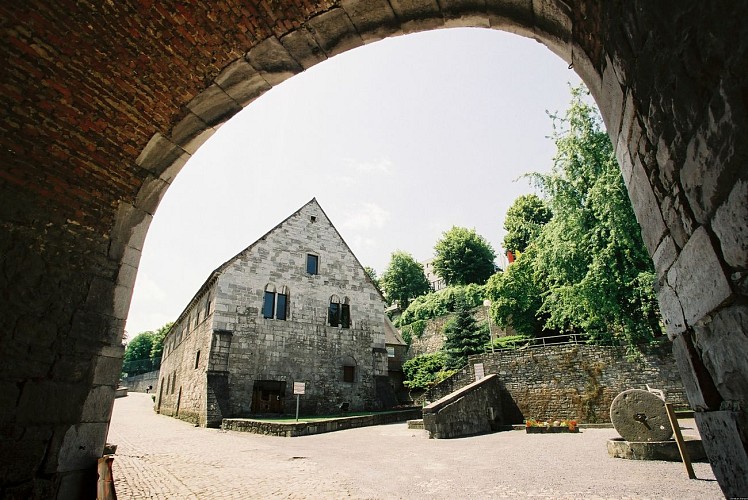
[294, 429]
[570, 381]
[139, 383]
[474, 409]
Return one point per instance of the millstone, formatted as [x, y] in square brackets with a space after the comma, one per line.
[640, 416]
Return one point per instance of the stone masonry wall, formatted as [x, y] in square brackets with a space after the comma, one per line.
[139, 383]
[303, 348]
[573, 381]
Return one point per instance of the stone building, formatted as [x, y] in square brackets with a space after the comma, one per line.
[295, 306]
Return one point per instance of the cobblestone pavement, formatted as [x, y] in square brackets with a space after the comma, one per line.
[162, 457]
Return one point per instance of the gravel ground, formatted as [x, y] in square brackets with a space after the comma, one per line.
[161, 457]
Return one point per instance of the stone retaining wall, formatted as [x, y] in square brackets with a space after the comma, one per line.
[139, 383]
[574, 381]
[474, 409]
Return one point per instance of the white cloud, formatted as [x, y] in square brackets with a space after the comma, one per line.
[367, 216]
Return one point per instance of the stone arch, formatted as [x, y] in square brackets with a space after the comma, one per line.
[89, 98]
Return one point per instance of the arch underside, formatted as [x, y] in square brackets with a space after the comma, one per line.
[104, 105]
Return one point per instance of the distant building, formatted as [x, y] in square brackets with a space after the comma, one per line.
[295, 306]
[437, 282]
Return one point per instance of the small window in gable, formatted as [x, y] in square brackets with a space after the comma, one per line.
[312, 264]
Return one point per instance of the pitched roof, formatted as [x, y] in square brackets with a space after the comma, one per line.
[391, 335]
[217, 272]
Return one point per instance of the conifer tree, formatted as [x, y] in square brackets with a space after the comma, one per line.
[463, 336]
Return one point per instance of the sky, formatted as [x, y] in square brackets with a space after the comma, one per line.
[398, 140]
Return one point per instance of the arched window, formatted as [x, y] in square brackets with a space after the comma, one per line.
[345, 313]
[281, 307]
[268, 304]
[333, 312]
[275, 305]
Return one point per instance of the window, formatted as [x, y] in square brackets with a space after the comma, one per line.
[333, 313]
[339, 314]
[282, 304]
[390, 352]
[345, 314]
[207, 307]
[349, 374]
[268, 305]
[312, 264]
[197, 359]
[275, 305]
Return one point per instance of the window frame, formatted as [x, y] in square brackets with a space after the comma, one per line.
[310, 257]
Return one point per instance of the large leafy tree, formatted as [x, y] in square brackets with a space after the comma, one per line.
[157, 348]
[464, 257]
[137, 357]
[463, 336]
[403, 280]
[144, 350]
[516, 296]
[590, 259]
[523, 221]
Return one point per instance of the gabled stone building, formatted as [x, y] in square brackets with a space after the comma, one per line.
[295, 306]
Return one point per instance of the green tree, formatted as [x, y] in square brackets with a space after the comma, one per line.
[523, 221]
[463, 336]
[426, 370]
[516, 297]
[157, 347]
[591, 262]
[137, 357]
[403, 280]
[372, 274]
[464, 257]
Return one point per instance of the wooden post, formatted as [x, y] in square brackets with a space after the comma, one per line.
[679, 440]
[105, 484]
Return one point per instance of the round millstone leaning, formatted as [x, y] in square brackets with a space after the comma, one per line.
[640, 416]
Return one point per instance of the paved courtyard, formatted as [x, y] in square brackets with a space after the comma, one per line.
[161, 457]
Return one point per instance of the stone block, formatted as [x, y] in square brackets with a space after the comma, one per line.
[723, 342]
[158, 155]
[664, 256]
[373, 19]
[213, 105]
[645, 207]
[730, 224]
[82, 445]
[302, 46]
[722, 433]
[242, 82]
[130, 228]
[697, 382]
[108, 365]
[465, 13]
[418, 15]
[610, 99]
[98, 405]
[698, 279]
[334, 32]
[150, 194]
[273, 62]
[188, 128]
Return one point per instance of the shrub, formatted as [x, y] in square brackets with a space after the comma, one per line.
[426, 370]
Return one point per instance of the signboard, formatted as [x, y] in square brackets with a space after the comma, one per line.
[298, 387]
[479, 374]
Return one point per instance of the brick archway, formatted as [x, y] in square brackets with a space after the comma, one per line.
[103, 106]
